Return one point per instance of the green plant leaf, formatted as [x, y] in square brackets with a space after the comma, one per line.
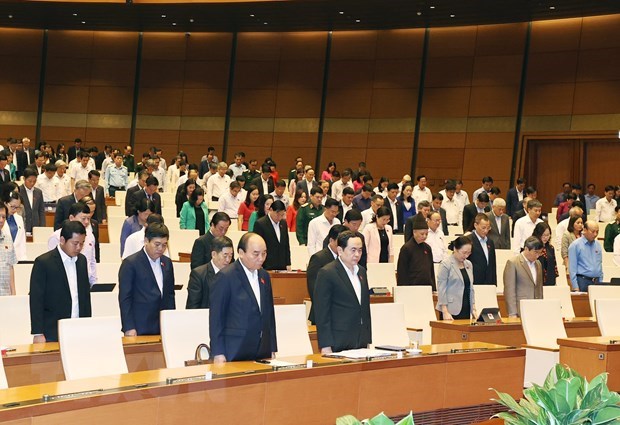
[380, 419]
[568, 389]
[347, 420]
[407, 420]
[510, 419]
[606, 415]
[507, 400]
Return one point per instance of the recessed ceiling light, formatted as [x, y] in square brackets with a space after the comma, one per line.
[432, 7]
[75, 14]
[265, 23]
[252, 15]
[341, 12]
[419, 13]
[358, 21]
[83, 22]
[174, 24]
[552, 7]
[10, 16]
[191, 20]
[163, 16]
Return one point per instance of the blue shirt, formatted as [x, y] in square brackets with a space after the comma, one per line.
[131, 225]
[116, 176]
[585, 258]
[591, 202]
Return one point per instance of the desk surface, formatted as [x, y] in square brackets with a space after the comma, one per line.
[598, 343]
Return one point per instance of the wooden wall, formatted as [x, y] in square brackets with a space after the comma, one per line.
[469, 104]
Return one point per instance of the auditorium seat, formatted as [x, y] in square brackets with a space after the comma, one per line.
[419, 309]
[180, 241]
[15, 320]
[22, 278]
[181, 333]
[167, 200]
[609, 272]
[110, 252]
[562, 293]
[180, 298]
[108, 273]
[91, 347]
[292, 239]
[115, 225]
[381, 275]
[119, 198]
[234, 235]
[485, 297]
[299, 258]
[181, 273]
[41, 234]
[292, 330]
[608, 316]
[388, 324]
[105, 304]
[596, 292]
[34, 249]
[116, 212]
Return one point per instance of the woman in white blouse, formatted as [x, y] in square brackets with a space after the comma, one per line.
[14, 226]
[378, 237]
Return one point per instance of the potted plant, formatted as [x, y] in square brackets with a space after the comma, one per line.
[380, 419]
[565, 398]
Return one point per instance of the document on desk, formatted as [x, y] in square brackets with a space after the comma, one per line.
[280, 363]
[362, 353]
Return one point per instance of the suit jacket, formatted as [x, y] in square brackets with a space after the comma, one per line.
[101, 210]
[415, 265]
[342, 321]
[450, 285]
[34, 215]
[201, 251]
[72, 153]
[444, 220]
[399, 214]
[141, 194]
[484, 272]
[316, 263]
[130, 203]
[239, 329]
[139, 296]
[62, 210]
[519, 283]
[5, 176]
[303, 185]
[259, 184]
[373, 242]
[50, 297]
[278, 252]
[99, 160]
[200, 283]
[22, 162]
[512, 202]
[501, 241]
[34, 168]
[469, 214]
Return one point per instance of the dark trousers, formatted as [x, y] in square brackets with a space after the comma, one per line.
[583, 283]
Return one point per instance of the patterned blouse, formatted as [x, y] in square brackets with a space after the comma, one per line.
[7, 260]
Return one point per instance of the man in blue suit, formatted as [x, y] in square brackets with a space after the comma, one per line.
[241, 318]
[146, 284]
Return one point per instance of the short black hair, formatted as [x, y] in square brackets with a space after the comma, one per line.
[367, 188]
[50, 167]
[343, 237]
[79, 207]
[277, 206]
[316, 190]
[70, 228]
[450, 186]
[93, 173]
[280, 183]
[353, 215]
[437, 196]
[218, 244]
[520, 180]
[219, 216]
[29, 172]
[483, 197]
[487, 179]
[143, 205]
[392, 186]
[331, 202]
[152, 181]
[156, 230]
[348, 191]
[155, 218]
[265, 168]
[335, 230]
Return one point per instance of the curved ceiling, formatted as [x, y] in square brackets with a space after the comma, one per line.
[289, 15]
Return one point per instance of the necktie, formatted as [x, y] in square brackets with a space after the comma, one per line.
[12, 226]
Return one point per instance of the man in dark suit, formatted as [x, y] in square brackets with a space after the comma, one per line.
[130, 203]
[38, 166]
[395, 208]
[101, 156]
[264, 181]
[27, 152]
[54, 293]
[242, 321]
[480, 205]
[513, 202]
[423, 208]
[342, 300]
[149, 192]
[436, 207]
[415, 261]
[201, 251]
[98, 195]
[307, 183]
[146, 284]
[5, 176]
[74, 150]
[278, 247]
[483, 252]
[202, 277]
[32, 200]
[82, 188]
[500, 225]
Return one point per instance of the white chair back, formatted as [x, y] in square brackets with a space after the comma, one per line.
[15, 320]
[292, 239]
[34, 249]
[597, 292]
[180, 299]
[117, 211]
[105, 304]
[91, 347]
[608, 316]
[41, 234]
[181, 333]
[292, 330]
[119, 197]
[22, 278]
[181, 273]
[299, 258]
[381, 275]
[110, 252]
[115, 225]
[562, 293]
[235, 235]
[419, 308]
[108, 272]
[542, 322]
[485, 297]
[388, 325]
[3, 383]
[180, 240]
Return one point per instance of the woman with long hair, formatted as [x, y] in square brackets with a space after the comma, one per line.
[247, 207]
[547, 258]
[291, 212]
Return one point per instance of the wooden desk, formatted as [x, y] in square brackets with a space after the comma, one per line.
[39, 363]
[104, 234]
[185, 257]
[110, 202]
[591, 356]
[49, 218]
[509, 333]
[290, 286]
[245, 390]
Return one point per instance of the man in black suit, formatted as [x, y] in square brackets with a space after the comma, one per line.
[423, 208]
[343, 316]
[480, 205]
[54, 293]
[436, 207]
[483, 252]
[201, 251]
[75, 149]
[98, 195]
[32, 200]
[202, 277]
[101, 156]
[395, 208]
[130, 204]
[273, 229]
[146, 284]
[500, 224]
[242, 321]
[149, 192]
[307, 183]
[264, 181]
[38, 166]
[415, 261]
[5, 176]
[82, 188]
[514, 197]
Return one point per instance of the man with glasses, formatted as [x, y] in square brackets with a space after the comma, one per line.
[523, 276]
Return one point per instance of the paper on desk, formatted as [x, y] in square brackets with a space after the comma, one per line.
[363, 353]
[280, 363]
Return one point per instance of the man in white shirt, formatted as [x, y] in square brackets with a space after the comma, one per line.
[219, 183]
[525, 225]
[237, 167]
[487, 184]
[421, 192]
[63, 180]
[460, 195]
[435, 237]
[337, 187]
[346, 203]
[454, 209]
[135, 241]
[319, 226]
[48, 184]
[229, 202]
[606, 206]
[279, 193]
[406, 179]
[376, 202]
[81, 170]
[160, 174]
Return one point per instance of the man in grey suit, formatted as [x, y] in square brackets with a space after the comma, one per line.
[523, 278]
[32, 199]
[500, 224]
[202, 277]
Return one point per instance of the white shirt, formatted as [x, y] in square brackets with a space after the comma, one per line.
[135, 242]
[317, 232]
[483, 243]
[345, 208]
[396, 225]
[454, 210]
[253, 278]
[132, 183]
[524, 227]
[276, 227]
[160, 175]
[80, 173]
[367, 216]
[184, 178]
[420, 195]
[559, 231]
[106, 163]
[532, 266]
[237, 169]
[478, 192]
[498, 222]
[71, 272]
[605, 211]
[88, 251]
[217, 186]
[265, 184]
[284, 198]
[462, 197]
[354, 279]
[338, 187]
[229, 204]
[158, 272]
[436, 242]
[30, 195]
[49, 187]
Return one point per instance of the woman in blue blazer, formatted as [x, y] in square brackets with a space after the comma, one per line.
[455, 289]
[195, 212]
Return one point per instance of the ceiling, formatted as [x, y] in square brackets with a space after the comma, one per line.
[291, 15]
